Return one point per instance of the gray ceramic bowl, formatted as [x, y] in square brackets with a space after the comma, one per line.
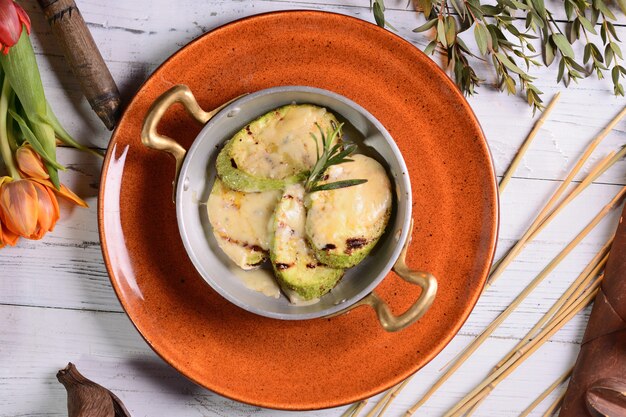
[196, 170]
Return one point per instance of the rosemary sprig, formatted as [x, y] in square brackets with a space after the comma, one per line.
[330, 155]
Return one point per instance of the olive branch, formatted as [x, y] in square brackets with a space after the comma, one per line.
[510, 49]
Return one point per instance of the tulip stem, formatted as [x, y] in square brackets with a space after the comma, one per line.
[5, 148]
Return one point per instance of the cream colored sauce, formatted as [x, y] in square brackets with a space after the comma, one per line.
[290, 224]
[295, 299]
[284, 146]
[261, 280]
[337, 215]
[242, 217]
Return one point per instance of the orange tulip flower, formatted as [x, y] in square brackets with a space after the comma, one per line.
[29, 162]
[27, 208]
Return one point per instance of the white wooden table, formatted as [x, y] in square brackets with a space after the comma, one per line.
[57, 305]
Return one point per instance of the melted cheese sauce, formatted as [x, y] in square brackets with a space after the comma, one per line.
[337, 215]
[261, 280]
[283, 146]
[242, 217]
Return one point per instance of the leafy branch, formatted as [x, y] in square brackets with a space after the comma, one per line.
[511, 49]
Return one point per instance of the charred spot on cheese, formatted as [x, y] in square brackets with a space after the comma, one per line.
[294, 262]
[343, 225]
[275, 150]
[239, 222]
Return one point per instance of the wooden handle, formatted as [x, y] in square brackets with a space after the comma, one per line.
[84, 58]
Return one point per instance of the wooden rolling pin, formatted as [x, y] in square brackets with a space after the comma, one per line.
[84, 58]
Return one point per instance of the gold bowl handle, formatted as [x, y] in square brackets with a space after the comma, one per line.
[152, 139]
[427, 281]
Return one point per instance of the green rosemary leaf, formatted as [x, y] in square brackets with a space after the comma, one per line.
[336, 185]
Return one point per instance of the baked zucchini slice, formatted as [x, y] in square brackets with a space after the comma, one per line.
[294, 263]
[274, 150]
[240, 223]
[343, 225]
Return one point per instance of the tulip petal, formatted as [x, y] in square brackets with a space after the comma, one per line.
[19, 207]
[23, 16]
[7, 237]
[63, 192]
[48, 211]
[11, 27]
[30, 163]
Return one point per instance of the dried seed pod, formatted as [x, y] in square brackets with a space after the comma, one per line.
[85, 398]
[607, 397]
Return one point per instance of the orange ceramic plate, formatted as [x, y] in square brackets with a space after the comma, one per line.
[325, 362]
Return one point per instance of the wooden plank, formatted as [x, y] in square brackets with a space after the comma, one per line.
[106, 348]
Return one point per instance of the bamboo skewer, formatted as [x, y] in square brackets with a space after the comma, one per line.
[591, 271]
[349, 411]
[503, 263]
[522, 354]
[547, 214]
[469, 350]
[529, 139]
[572, 294]
[394, 394]
[483, 389]
[358, 408]
[547, 392]
[385, 399]
[555, 405]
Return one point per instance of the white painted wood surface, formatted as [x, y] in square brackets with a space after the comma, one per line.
[57, 305]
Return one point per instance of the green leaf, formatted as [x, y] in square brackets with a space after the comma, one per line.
[34, 141]
[426, 6]
[608, 55]
[506, 61]
[379, 13]
[441, 33]
[62, 134]
[622, 5]
[587, 24]
[601, 6]
[450, 30]
[428, 25]
[459, 7]
[561, 71]
[611, 28]
[587, 53]
[616, 49]
[548, 53]
[540, 7]
[336, 185]
[481, 33]
[430, 48]
[615, 75]
[569, 9]
[563, 44]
